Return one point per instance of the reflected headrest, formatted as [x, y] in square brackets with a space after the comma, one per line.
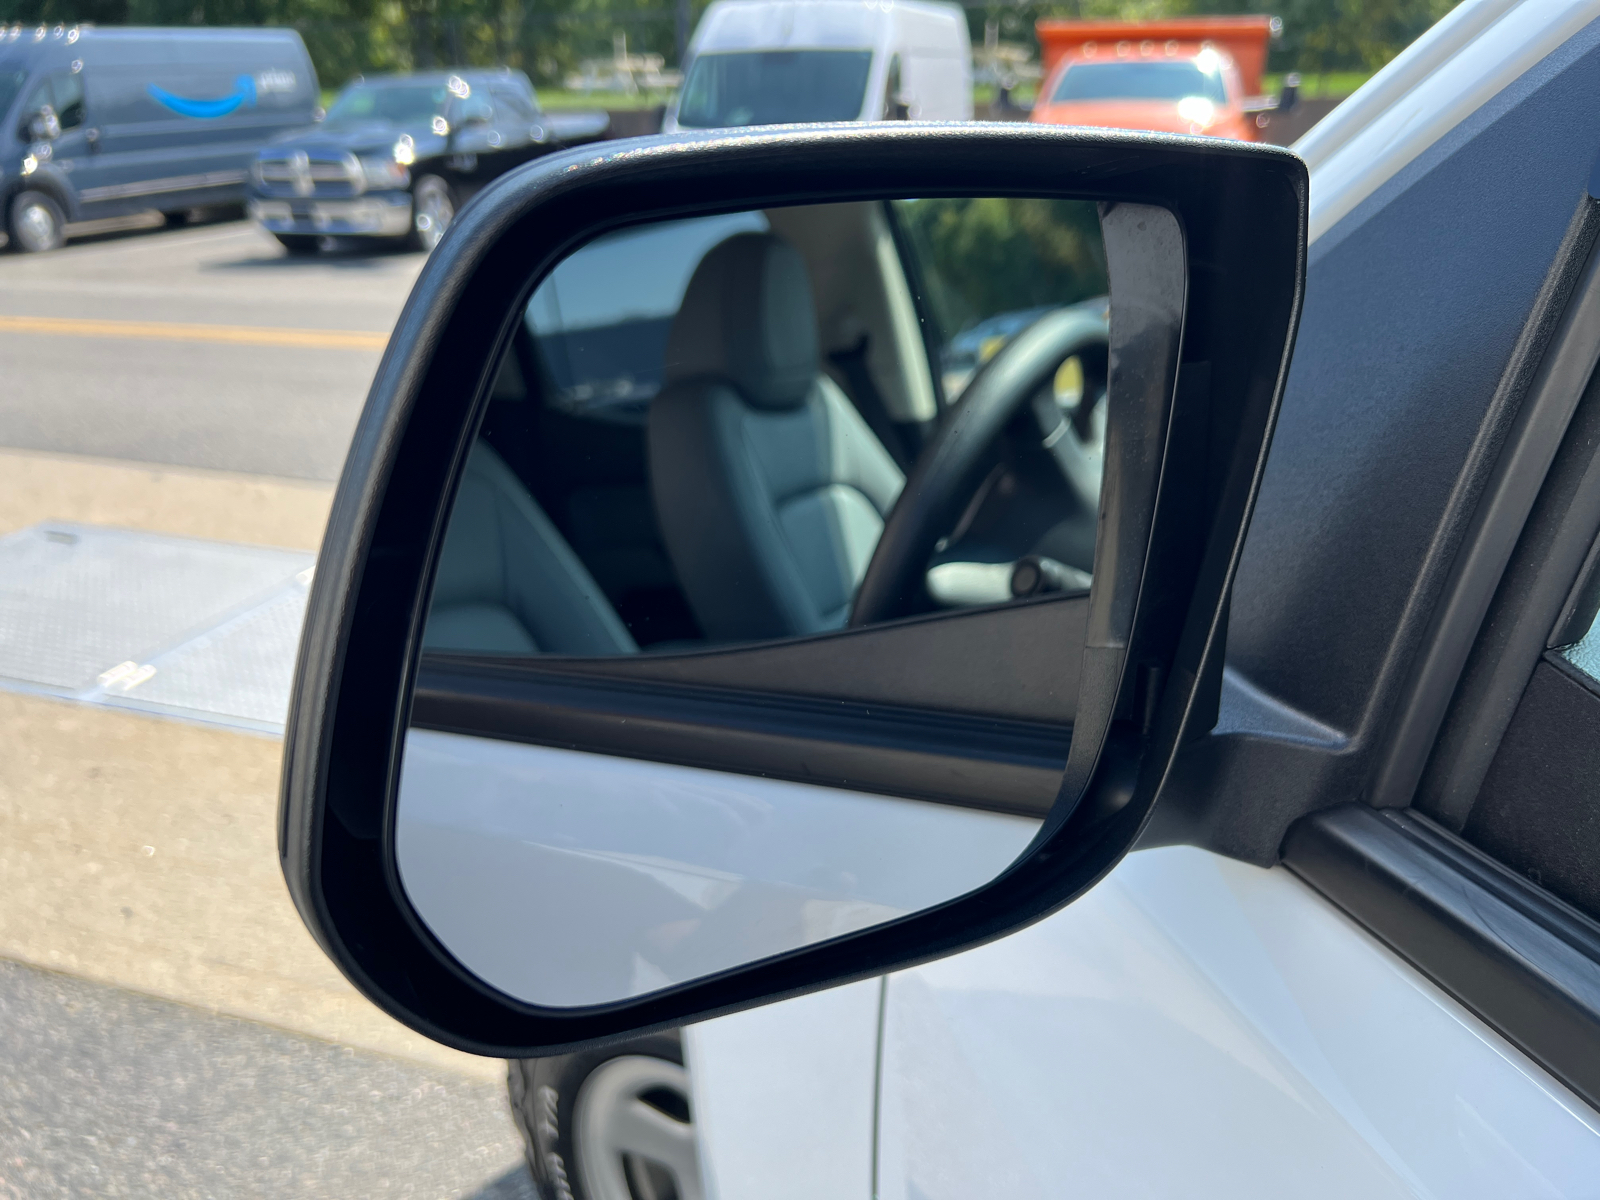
[747, 318]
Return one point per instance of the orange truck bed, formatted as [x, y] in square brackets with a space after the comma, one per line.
[1195, 75]
[1244, 38]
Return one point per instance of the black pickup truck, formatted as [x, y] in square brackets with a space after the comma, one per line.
[397, 155]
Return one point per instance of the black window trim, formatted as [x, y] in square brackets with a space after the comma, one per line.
[1525, 962]
[1524, 573]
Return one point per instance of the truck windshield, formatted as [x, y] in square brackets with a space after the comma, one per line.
[774, 87]
[408, 104]
[1139, 81]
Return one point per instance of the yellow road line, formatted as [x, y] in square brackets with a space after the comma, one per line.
[170, 331]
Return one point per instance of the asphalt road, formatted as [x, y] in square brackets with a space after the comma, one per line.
[106, 1093]
[198, 348]
[162, 389]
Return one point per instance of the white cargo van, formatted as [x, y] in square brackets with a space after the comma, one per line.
[771, 62]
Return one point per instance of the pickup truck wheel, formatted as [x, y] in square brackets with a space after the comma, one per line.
[36, 223]
[432, 210]
[610, 1124]
[298, 243]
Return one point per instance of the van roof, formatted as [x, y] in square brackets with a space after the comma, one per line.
[781, 24]
[25, 34]
[29, 44]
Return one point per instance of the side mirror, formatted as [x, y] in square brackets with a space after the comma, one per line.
[1289, 96]
[676, 645]
[44, 125]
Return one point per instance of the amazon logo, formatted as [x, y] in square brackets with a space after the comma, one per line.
[243, 95]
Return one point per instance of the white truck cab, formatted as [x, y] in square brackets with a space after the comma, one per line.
[772, 62]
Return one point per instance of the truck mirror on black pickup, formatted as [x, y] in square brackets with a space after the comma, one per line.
[745, 578]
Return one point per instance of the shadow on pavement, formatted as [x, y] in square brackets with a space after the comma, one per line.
[346, 254]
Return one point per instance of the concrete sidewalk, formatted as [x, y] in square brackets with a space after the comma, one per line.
[141, 852]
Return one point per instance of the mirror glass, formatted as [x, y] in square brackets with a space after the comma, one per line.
[697, 443]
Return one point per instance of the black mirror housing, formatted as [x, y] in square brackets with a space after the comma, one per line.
[1205, 354]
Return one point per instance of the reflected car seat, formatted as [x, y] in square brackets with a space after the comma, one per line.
[770, 489]
[508, 583]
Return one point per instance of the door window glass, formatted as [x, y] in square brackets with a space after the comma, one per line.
[513, 104]
[40, 98]
[986, 268]
[604, 345]
[10, 84]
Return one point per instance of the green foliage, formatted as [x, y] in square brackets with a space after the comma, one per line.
[1318, 35]
[991, 255]
[548, 38]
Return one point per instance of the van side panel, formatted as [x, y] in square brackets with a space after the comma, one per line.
[936, 61]
[180, 118]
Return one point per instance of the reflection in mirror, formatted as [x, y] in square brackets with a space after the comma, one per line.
[566, 879]
[697, 442]
[704, 424]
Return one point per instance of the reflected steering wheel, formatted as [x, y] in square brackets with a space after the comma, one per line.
[952, 465]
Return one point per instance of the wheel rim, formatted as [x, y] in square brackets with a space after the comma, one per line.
[629, 1147]
[434, 213]
[36, 227]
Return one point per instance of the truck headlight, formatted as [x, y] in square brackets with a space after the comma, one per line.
[384, 172]
[1197, 110]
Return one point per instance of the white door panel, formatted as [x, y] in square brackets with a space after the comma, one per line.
[783, 1097]
[567, 879]
[1197, 1027]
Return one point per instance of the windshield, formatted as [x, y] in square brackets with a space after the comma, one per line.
[10, 84]
[1139, 81]
[404, 105]
[774, 87]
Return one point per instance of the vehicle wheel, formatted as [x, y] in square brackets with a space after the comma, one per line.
[298, 243]
[608, 1124]
[432, 210]
[177, 220]
[37, 223]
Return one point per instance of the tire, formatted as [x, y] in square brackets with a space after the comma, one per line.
[36, 223]
[433, 207]
[298, 243]
[610, 1124]
[177, 220]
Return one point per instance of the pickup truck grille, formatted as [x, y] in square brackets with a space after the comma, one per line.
[302, 174]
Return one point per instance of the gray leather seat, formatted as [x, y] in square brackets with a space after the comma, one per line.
[770, 489]
[508, 583]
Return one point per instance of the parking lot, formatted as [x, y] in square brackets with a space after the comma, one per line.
[176, 408]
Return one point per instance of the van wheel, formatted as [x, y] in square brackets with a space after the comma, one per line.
[432, 210]
[609, 1124]
[298, 243]
[36, 223]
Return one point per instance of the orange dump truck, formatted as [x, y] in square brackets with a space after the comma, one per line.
[1186, 75]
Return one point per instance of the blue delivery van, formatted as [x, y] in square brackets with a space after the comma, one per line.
[104, 122]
